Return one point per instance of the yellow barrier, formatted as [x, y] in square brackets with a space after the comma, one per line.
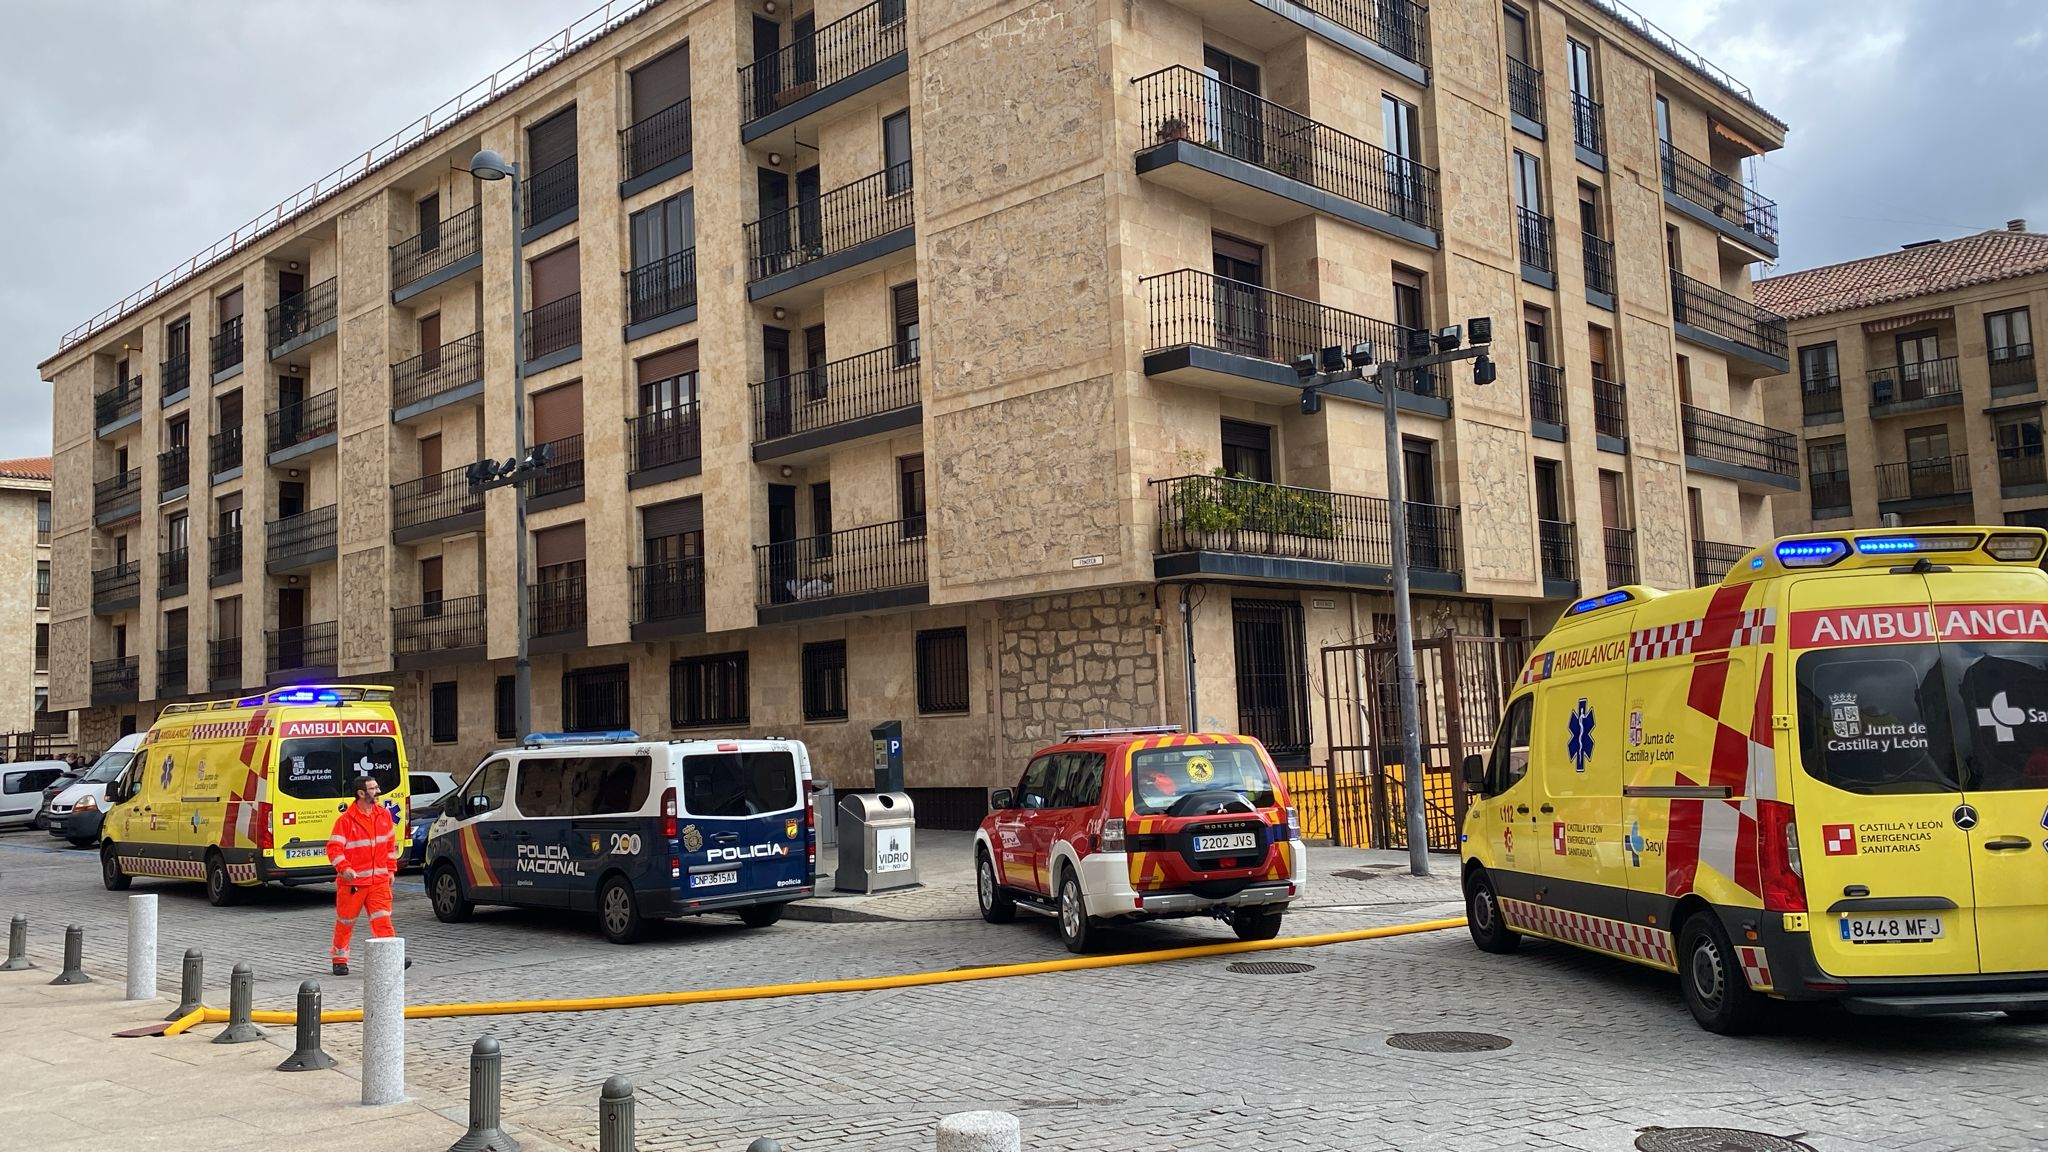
[822, 987]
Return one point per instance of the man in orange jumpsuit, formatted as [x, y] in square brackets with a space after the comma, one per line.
[364, 852]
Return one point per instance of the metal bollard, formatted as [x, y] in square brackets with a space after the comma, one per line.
[979, 1132]
[17, 946]
[486, 1074]
[241, 1002]
[142, 947]
[764, 1144]
[306, 1055]
[615, 1116]
[74, 958]
[193, 987]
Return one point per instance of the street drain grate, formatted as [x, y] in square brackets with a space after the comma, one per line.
[1448, 1042]
[1716, 1140]
[1270, 968]
[1369, 872]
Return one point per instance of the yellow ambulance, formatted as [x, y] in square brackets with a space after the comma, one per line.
[1825, 777]
[238, 793]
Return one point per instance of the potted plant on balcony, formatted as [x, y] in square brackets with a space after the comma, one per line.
[1260, 518]
[1172, 128]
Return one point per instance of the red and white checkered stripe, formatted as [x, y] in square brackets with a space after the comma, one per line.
[168, 869]
[1615, 937]
[1758, 626]
[1663, 640]
[1756, 968]
[242, 873]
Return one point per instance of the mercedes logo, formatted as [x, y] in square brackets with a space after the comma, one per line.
[1965, 817]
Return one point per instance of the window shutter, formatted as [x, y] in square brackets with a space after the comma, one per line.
[672, 518]
[231, 503]
[667, 364]
[557, 275]
[904, 300]
[231, 306]
[430, 338]
[430, 578]
[661, 82]
[558, 413]
[551, 141]
[559, 545]
[430, 455]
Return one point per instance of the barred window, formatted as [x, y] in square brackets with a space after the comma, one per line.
[825, 680]
[708, 691]
[507, 714]
[441, 712]
[942, 670]
[597, 699]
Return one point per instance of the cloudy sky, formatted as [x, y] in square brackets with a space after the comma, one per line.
[135, 132]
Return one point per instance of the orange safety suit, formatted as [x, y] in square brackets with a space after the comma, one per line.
[365, 843]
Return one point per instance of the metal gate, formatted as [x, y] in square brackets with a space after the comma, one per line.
[1359, 796]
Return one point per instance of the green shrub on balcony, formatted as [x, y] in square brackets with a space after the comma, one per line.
[1222, 502]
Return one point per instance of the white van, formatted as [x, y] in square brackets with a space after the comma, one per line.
[21, 789]
[76, 813]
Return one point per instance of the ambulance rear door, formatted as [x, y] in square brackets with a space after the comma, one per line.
[317, 755]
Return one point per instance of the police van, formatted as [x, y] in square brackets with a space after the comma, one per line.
[633, 830]
[1825, 777]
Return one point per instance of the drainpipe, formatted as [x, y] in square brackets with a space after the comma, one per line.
[1187, 639]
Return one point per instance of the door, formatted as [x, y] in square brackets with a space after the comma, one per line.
[783, 545]
[1929, 472]
[778, 405]
[767, 78]
[429, 209]
[1012, 830]
[745, 807]
[430, 342]
[1233, 107]
[1426, 518]
[1918, 353]
[291, 412]
[803, 48]
[290, 287]
[810, 220]
[1240, 320]
[291, 623]
[291, 499]
[1517, 29]
[482, 842]
[1400, 136]
[771, 239]
[1510, 803]
[1578, 731]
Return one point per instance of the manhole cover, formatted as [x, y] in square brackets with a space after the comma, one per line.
[1270, 968]
[1716, 1140]
[1369, 872]
[1448, 1041]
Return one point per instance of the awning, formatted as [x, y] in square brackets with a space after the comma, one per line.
[1734, 137]
[1894, 323]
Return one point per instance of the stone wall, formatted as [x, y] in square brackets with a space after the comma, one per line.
[1075, 660]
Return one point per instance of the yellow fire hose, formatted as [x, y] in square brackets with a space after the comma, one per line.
[821, 987]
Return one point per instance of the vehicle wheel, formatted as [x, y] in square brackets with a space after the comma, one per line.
[1252, 924]
[2028, 1016]
[997, 905]
[1076, 931]
[220, 891]
[761, 915]
[450, 905]
[1483, 917]
[110, 870]
[1715, 990]
[618, 912]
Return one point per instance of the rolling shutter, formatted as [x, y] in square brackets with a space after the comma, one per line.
[557, 275]
[667, 364]
[231, 306]
[551, 141]
[673, 518]
[559, 545]
[558, 413]
[661, 82]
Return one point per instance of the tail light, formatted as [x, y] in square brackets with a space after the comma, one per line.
[1113, 834]
[675, 868]
[1293, 822]
[262, 821]
[1784, 880]
[811, 828]
[668, 814]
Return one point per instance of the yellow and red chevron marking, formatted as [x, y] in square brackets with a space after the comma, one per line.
[252, 737]
[1614, 937]
[475, 865]
[1756, 968]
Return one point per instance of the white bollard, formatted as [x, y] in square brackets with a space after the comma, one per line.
[384, 1021]
[142, 947]
[979, 1132]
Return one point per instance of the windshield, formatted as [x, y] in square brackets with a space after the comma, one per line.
[322, 767]
[109, 768]
[1161, 776]
[739, 783]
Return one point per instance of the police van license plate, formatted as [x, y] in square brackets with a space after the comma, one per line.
[714, 879]
[1232, 842]
[1890, 929]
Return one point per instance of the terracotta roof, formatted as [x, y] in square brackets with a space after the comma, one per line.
[1924, 270]
[26, 468]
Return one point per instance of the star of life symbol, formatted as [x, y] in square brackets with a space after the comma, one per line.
[2001, 718]
[1580, 746]
[1845, 716]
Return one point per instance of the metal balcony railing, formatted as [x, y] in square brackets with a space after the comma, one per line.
[553, 327]
[174, 468]
[294, 424]
[173, 569]
[306, 647]
[550, 191]
[438, 626]
[1610, 409]
[176, 374]
[116, 681]
[224, 660]
[1190, 307]
[564, 470]
[1546, 394]
[117, 581]
[1599, 263]
[224, 553]
[557, 606]
[226, 346]
[1537, 237]
[668, 590]
[1249, 517]
[123, 399]
[655, 140]
[295, 316]
[1555, 548]
[431, 498]
[2020, 467]
[1711, 561]
[295, 539]
[1398, 26]
[1914, 382]
[1935, 477]
[849, 562]
[453, 365]
[1821, 396]
[1725, 196]
[834, 393]
[663, 286]
[171, 670]
[1830, 493]
[864, 37]
[1730, 317]
[224, 451]
[1712, 436]
[2013, 367]
[445, 243]
[831, 222]
[1525, 90]
[665, 438]
[117, 493]
[1621, 556]
[1180, 103]
[1589, 130]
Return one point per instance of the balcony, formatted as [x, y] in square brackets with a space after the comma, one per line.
[438, 378]
[116, 681]
[1749, 336]
[1229, 527]
[1933, 482]
[668, 598]
[1536, 238]
[554, 333]
[447, 251]
[174, 379]
[1698, 190]
[1759, 458]
[1599, 270]
[551, 200]
[1829, 492]
[226, 348]
[1610, 415]
[302, 541]
[224, 454]
[173, 471]
[301, 320]
[661, 295]
[1589, 131]
[1712, 560]
[301, 429]
[557, 611]
[864, 395]
[1916, 387]
[560, 483]
[1546, 401]
[655, 148]
[173, 572]
[1621, 556]
[865, 569]
[117, 498]
[118, 407]
[1240, 339]
[438, 632]
[665, 445]
[116, 587]
[1525, 97]
[224, 664]
[1393, 34]
[299, 653]
[842, 60]
[436, 506]
[1559, 557]
[1821, 398]
[821, 240]
[2012, 370]
[172, 670]
[224, 558]
[2021, 471]
[1268, 163]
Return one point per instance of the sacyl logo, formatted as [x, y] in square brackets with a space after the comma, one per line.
[2002, 717]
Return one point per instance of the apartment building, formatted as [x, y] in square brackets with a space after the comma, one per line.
[959, 397]
[28, 729]
[1914, 387]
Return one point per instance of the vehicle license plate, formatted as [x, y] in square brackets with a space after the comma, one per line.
[714, 879]
[1890, 929]
[1233, 842]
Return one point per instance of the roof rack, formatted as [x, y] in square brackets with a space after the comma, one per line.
[1141, 730]
[557, 739]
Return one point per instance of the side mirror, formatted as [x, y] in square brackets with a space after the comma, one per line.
[1475, 772]
[1001, 798]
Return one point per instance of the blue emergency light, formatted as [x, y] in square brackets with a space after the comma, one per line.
[1618, 596]
[1811, 553]
[306, 696]
[1906, 545]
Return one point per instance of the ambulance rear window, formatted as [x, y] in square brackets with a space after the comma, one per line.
[1874, 720]
[739, 783]
[1161, 776]
[321, 768]
[2002, 694]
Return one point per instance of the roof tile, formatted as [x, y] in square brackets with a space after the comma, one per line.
[1924, 270]
[26, 468]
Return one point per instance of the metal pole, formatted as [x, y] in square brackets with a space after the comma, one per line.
[486, 1076]
[307, 1055]
[615, 1116]
[17, 946]
[74, 958]
[1404, 632]
[522, 673]
[241, 1003]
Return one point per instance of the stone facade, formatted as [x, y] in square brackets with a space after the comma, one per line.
[24, 598]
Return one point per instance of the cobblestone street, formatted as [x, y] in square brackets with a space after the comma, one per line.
[1102, 1059]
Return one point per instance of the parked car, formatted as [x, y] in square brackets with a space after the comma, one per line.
[78, 812]
[21, 790]
[429, 791]
[64, 780]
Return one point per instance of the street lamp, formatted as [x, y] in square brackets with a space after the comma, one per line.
[488, 165]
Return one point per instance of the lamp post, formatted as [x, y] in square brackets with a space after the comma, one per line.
[1316, 375]
[488, 165]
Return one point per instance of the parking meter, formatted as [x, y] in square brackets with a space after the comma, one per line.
[888, 744]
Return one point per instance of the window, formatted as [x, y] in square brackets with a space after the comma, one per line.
[1248, 451]
[597, 699]
[485, 791]
[1827, 477]
[1400, 129]
[910, 493]
[730, 784]
[942, 678]
[583, 785]
[1517, 28]
[1591, 219]
[1035, 789]
[1845, 692]
[42, 519]
[817, 379]
[441, 708]
[1272, 683]
[1579, 62]
[428, 210]
[42, 583]
[708, 691]
[896, 152]
[324, 767]
[178, 533]
[824, 676]
[1079, 782]
[42, 649]
[664, 229]
[2009, 335]
[1409, 310]
[903, 303]
[31, 780]
[504, 711]
[1528, 176]
[1510, 761]
[1927, 443]
[1161, 776]
[1820, 381]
